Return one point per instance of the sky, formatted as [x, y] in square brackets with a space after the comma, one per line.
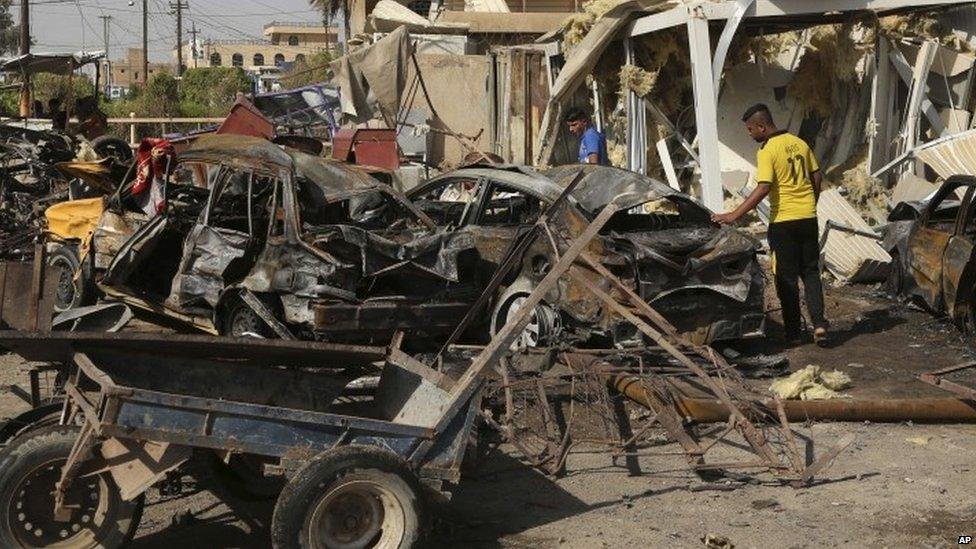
[72, 25]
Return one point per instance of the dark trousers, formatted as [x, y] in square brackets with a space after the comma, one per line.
[796, 255]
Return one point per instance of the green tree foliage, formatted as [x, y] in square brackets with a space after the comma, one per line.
[9, 33]
[211, 91]
[312, 70]
[203, 92]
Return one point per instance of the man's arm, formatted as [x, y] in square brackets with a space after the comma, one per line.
[593, 158]
[816, 178]
[757, 196]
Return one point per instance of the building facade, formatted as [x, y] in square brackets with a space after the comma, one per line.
[284, 43]
[127, 72]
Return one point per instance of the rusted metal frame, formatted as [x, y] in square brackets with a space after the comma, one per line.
[752, 435]
[793, 452]
[825, 459]
[37, 285]
[265, 314]
[81, 446]
[935, 378]
[403, 360]
[512, 258]
[666, 416]
[501, 343]
[273, 413]
[35, 387]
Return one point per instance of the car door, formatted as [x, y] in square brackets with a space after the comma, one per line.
[222, 246]
[957, 263]
[928, 242]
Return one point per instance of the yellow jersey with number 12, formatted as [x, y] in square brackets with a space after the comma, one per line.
[785, 162]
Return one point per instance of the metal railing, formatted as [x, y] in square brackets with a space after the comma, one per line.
[164, 125]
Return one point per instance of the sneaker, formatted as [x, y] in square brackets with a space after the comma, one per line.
[820, 336]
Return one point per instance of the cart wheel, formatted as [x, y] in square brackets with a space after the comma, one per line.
[351, 497]
[29, 469]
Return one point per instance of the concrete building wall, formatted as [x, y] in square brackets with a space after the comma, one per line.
[248, 50]
[458, 88]
[127, 72]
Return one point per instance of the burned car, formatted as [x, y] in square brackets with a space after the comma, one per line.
[704, 278]
[931, 244]
[243, 217]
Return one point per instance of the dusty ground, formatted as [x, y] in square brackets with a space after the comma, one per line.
[897, 486]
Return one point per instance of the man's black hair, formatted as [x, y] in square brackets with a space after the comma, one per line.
[577, 113]
[758, 108]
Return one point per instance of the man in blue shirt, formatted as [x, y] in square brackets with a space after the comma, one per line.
[593, 144]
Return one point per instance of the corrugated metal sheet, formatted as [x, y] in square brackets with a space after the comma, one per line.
[951, 155]
[849, 257]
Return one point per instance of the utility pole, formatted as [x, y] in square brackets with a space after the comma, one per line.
[108, 61]
[145, 42]
[179, 6]
[25, 102]
[193, 44]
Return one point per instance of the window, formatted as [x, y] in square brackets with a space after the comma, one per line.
[279, 59]
[300, 58]
[215, 59]
[136, 77]
[242, 202]
[447, 203]
[122, 71]
[372, 210]
[258, 60]
[237, 60]
[508, 208]
[292, 40]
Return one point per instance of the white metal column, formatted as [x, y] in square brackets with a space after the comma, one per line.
[636, 122]
[706, 113]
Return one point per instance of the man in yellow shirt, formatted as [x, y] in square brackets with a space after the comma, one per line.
[787, 171]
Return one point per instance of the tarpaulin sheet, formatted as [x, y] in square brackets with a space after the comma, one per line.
[374, 74]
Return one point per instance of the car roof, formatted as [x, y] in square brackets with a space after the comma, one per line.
[600, 184]
[335, 179]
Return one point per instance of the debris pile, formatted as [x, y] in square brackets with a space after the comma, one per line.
[811, 383]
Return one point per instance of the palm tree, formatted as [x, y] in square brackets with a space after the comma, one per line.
[330, 8]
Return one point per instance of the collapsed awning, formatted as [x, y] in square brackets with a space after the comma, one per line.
[51, 63]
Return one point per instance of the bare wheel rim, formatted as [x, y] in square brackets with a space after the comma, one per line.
[357, 515]
[245, 322]
[530, 335]
[30, 515]
[66, 285]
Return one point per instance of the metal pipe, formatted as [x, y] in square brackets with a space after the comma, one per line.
[893, 410]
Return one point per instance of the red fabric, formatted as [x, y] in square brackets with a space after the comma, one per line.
[151, 159]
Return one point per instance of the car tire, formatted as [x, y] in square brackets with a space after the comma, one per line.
[109, 146]
[378, 498]
[35, 418]
[29, 468]
[75, 287]
[542, 327]
[239, 320]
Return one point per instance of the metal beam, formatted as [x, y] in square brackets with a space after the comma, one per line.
[905, 72]
[674, 17]
[724, 41]
[636, 121]
[706, 113]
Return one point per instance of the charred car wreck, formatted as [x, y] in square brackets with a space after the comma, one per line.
[931, 244]
[257, 238]
[705, 279]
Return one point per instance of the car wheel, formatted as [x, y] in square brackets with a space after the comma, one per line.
[353, 496]
[74, 282]
[240, 320]
[30, 467]
[542, 327]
